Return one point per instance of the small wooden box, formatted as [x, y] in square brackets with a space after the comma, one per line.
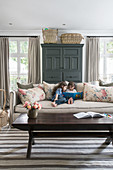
[3, 118]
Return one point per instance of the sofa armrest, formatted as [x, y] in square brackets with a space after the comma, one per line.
[14, 100]
[11, 107]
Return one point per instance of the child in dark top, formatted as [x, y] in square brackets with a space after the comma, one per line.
[57, 94]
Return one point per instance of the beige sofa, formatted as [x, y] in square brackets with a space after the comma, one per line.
[17, 108]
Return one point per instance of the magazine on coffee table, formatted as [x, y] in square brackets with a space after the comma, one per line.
[88, 115]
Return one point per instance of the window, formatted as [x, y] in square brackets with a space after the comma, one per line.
[18, 61]
[106, 59]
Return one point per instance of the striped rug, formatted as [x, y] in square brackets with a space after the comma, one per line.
[54, 154]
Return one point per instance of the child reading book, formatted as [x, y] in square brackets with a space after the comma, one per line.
[71, 94]
[57, 93]
[71, 89]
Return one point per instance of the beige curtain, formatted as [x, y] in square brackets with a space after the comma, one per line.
[4, 68]
[92, 58]
[34, 72]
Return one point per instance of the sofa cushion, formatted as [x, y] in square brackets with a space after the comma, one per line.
[25, 86]
[20, 109]
[40, 85]
[97, 93]
[80, 86]
[77, 106]
[48, 88]
[31, 95]
[102, 83]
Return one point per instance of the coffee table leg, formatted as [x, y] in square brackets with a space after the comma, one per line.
[108, 140]
[111, 131]
[112, 136]
[29, 144]
[33, 141]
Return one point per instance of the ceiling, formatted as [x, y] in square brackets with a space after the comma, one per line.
[38, 14]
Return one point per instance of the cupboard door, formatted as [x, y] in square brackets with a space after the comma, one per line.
[72, 63]
[52, 63]
[62, 62]
[53, 77]
[72, 76]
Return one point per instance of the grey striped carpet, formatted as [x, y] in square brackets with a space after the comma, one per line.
[48, 154]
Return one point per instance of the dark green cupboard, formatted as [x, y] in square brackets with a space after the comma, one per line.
[61, 62]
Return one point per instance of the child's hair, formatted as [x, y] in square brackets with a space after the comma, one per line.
[60, 85]
[71, 84]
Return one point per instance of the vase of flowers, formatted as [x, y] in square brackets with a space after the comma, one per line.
[33, 109]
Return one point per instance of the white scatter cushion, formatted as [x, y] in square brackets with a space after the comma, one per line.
[96, 83]
[79, 87]
[31, 95]
[48, 88]
[97, 93]
[67, 82]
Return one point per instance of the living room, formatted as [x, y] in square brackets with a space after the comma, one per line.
[43, 43]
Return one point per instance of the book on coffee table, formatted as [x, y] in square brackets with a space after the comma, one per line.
[88, 115]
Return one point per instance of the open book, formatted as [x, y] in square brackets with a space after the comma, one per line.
[88, 115]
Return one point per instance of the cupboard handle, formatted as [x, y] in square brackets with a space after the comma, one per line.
[72, 76]
[52, 77]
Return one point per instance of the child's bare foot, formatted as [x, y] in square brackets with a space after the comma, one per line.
[54, 104]
[71, 100]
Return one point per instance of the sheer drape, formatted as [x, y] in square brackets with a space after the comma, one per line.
[34, 72]
[4, 68]
[92, 56]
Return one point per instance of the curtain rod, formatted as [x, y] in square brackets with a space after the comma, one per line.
[18, 36]
[100, 36]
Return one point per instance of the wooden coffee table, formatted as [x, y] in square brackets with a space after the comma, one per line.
[63, 125]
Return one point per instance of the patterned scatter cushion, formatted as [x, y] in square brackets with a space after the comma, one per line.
[75, 96]
[97, 93]
[40, 85]
[48, 88]
[32, 95]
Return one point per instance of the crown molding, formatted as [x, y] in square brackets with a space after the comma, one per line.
[39, 32]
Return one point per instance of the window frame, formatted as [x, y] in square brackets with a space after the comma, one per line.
[18, 55]
[105, 56]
